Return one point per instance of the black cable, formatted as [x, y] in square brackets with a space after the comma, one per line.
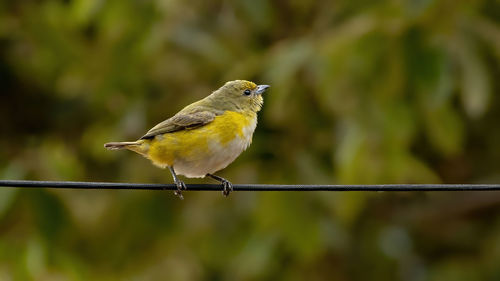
[251, 187]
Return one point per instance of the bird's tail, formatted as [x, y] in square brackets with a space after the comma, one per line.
[121, 145]
[140, 146]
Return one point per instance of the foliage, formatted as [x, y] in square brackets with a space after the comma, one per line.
[362, 92]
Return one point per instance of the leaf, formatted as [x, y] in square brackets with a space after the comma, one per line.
[445, 129]
[7, 196]
[476, 84]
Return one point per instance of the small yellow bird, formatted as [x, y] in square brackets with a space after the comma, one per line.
[205, 136]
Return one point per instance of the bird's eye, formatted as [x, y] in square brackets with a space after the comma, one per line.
[247, 92]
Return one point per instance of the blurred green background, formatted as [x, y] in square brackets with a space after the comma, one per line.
[362, 92]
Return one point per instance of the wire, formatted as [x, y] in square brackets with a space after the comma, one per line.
[251, 187]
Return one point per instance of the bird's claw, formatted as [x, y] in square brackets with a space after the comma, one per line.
[227, 187]
[180, 187]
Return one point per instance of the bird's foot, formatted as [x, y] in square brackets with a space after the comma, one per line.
[180, 187]
[227, 187]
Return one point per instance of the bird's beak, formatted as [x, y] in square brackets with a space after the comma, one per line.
[261, 89]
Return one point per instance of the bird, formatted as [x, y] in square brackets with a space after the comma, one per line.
[205, 136]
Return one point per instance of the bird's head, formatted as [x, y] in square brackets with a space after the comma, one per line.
[239, 95]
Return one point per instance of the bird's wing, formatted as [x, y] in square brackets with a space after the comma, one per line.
[181, 121]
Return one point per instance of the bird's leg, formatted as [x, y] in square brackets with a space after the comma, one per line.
[180, 184]
[227, 186]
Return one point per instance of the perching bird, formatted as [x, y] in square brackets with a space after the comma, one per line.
[205, 136]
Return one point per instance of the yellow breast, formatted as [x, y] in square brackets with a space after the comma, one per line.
[198, 151]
